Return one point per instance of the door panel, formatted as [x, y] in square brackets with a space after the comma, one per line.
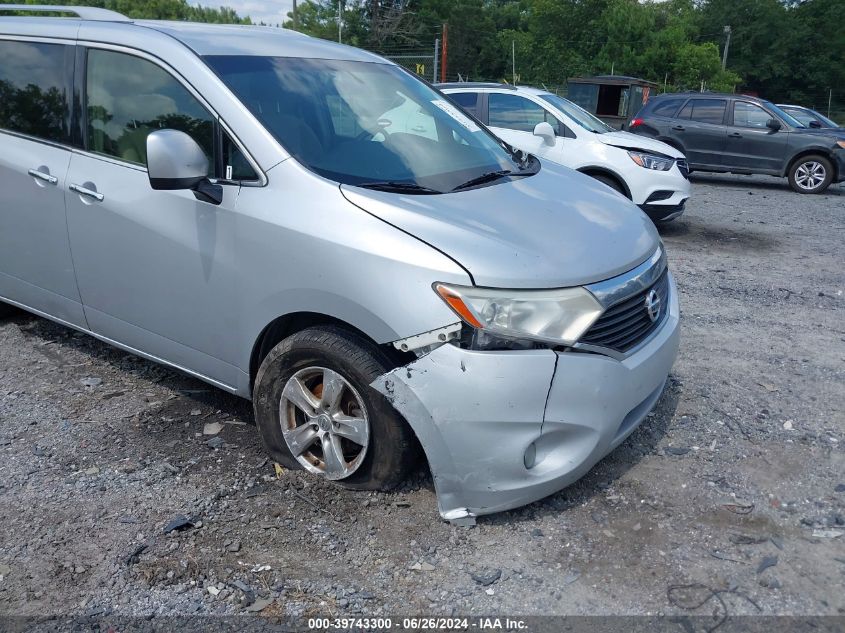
[35, 258]
[750, 144]
[700, 128]
[156, 269]
[36, 268]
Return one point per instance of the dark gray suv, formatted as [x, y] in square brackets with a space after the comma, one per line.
[744, 135]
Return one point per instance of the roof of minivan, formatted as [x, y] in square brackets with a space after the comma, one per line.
[203, 39]
[233, 39]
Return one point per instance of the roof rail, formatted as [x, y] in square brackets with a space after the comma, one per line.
[475, 84]
[85, 13]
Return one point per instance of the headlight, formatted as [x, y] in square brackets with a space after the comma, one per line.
[558, 317]
[650, 161]
[841, 144]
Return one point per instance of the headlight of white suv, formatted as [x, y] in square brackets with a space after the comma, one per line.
[650, 161]
[559, 317]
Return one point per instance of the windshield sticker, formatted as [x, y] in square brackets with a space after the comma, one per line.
[456, 114]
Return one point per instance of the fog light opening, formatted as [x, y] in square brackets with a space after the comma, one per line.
[530, 458]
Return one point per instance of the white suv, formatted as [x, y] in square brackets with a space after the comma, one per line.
[652, 174]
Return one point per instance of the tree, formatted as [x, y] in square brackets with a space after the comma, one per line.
[157, 10]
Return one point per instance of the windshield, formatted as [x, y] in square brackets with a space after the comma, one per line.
[790, 120]
[808, 116]
[363, 123]
[578, 114]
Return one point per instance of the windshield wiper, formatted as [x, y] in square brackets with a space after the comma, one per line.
[398, 187]
[491, 176]
[483, 178]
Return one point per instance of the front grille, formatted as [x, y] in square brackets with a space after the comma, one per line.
[626, 323]
[683, 167]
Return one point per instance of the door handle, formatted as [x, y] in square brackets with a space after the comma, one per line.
[82, 191]
[679, 128]
[42, 176]
[735, 135]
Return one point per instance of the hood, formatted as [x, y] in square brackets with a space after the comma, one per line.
[555, 229]
[833, 133]
[626, 140]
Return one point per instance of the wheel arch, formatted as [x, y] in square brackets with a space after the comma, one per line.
[288, 324]
[820, 151]
[671, 142]
[591, 170]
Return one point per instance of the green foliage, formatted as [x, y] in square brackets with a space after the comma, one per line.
[154, 9]
[783, 49]
[786, 50]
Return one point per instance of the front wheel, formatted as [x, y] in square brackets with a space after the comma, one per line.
[610, 182]
[6, 310]
[315, 410]
[810, 174]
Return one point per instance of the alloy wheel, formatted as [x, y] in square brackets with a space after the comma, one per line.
[810, 175]
[324, 422]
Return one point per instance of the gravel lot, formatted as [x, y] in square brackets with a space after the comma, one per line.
[731, 494]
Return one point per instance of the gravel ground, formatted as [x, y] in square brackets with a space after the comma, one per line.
[731, 494]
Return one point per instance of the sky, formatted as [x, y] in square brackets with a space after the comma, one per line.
[268, 11]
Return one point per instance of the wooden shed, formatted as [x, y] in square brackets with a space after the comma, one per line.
[615, 99]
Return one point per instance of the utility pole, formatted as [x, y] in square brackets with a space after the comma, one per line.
[339, 23]
[829, 99]
[513, 60]
[444, 59]
[295, 21]
[436, 59]
[727, 46]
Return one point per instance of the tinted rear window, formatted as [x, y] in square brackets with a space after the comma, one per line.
[467, 100]
[666, 107]
[704, 110]
[33, 93]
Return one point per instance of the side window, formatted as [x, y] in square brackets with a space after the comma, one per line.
[467, 100]
[750, 115]
[704, 111]
[33, 93]
[235, 165]
[128, 97]
[517, 113]
[666, 107]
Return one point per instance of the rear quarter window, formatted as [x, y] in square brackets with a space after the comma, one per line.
[704, 111]
[467, 100]
[666, 107]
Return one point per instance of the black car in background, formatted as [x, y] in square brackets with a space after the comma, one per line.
[744, 135]
[809, 118]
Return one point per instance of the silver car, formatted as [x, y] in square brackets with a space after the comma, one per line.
[258, 209]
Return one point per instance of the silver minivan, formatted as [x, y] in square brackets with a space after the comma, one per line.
[258, 208]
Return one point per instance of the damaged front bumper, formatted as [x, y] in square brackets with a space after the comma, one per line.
[502, 429]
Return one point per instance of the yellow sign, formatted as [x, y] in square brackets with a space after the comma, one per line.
[420, 69]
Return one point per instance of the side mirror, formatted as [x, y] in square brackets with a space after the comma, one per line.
[773, 124]
[815, 125]
[546, 132]
[175, 161]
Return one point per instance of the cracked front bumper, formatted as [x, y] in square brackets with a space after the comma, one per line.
[502, 429]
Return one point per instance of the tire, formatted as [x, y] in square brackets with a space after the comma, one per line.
[610, 181]
[810, 174]
[314, 358]
[7, 310]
